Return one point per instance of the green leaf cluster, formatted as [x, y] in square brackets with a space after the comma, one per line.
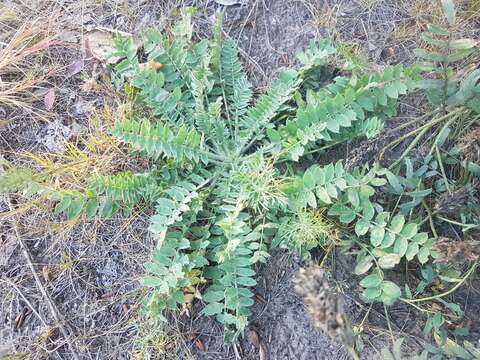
[346, 109]
[443, 54]
[384, 238]
[225, 182]
[158, 140]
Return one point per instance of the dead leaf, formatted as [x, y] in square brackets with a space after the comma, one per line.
[253, 338]
[152, 65]
[99, 43]
[47, 274]
[20, 319]
[260, 298]
[75, 67]
[200, 345]
[49, 99]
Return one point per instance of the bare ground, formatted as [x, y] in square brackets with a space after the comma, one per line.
[91, 272]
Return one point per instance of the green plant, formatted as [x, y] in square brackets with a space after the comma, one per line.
[345, 109]
[304, 231]
[383, 238]
[385, 212]
[450, 82]
[224, 172]
[396, 353]
[219, 199]
[449, 87]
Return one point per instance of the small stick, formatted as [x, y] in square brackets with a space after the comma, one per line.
[430, 218]
[29, 304]
[51, 305]
[235, 350]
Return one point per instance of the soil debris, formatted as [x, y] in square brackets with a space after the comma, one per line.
[449, 203]
[457, 252]
[469, 145]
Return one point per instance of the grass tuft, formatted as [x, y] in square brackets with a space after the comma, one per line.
[18, 78]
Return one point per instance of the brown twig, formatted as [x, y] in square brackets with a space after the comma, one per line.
[51, 305]
[29, 304]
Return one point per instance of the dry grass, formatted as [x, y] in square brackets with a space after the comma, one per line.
[93, 153]
[92, 274]
[387, 31]
[369, 4]
[423, 12]
[323, 16]
[20, 57]
[91, 270]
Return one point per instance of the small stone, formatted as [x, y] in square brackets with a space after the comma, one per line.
[77, 129]
[371, 46]
[83, 107]
[69, 36]
[53, 136]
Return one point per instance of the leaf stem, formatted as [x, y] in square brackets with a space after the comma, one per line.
[442, 169]
[352, 352]
[389, 324]
[438, 296]
[410, 147]
[422, 128]
[469, 226]
[430, 218]
[413, 121]
[325, 147]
